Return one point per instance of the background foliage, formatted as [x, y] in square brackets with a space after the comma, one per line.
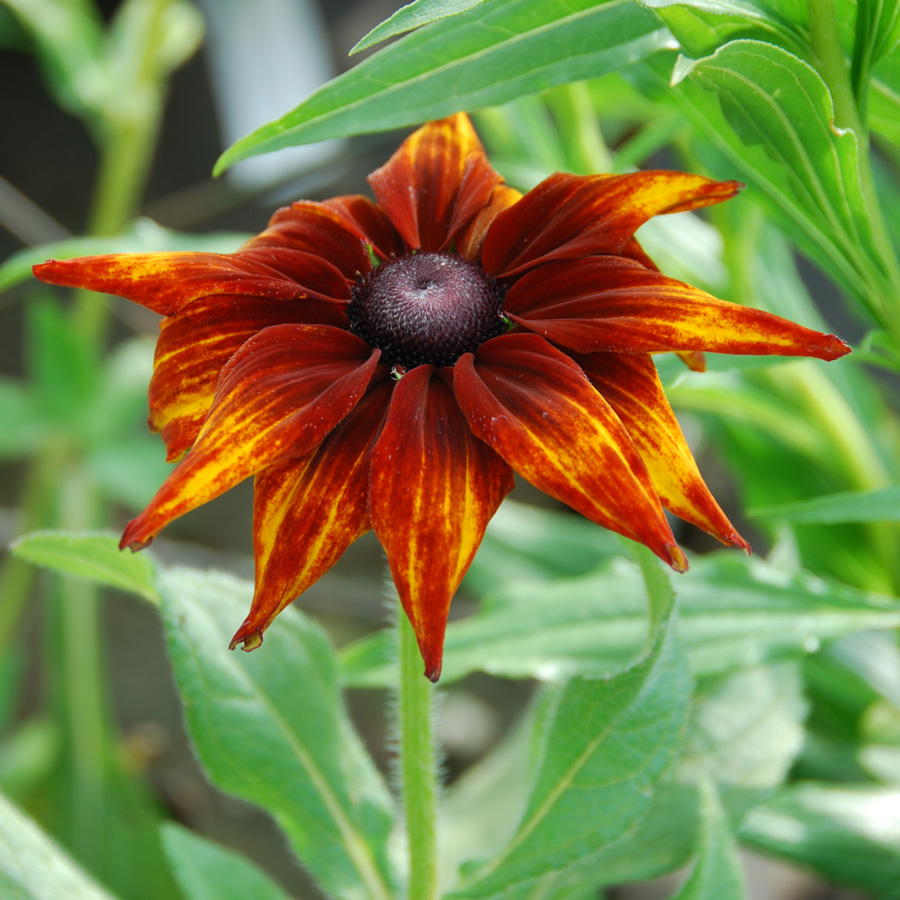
[756, 705]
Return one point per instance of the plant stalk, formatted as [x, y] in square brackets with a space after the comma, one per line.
[418, 765]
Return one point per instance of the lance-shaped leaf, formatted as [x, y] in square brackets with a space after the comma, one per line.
[734, 612]
[271, 728]
[604, 746]
[776, 123]
[850, 506]
[411, 16]
[499, 50]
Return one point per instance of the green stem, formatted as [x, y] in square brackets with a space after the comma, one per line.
[418, 766]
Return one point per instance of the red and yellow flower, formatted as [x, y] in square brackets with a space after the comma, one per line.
[388, 365]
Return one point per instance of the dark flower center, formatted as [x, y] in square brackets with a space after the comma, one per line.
[426, 308]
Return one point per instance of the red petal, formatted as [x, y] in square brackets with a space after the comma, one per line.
[572, 216]
[472, 239]
[631, 385]
[197, 342]
[164, 282]
[372, 222]
[278, 396]
[536, 408]
[433, 489]
[609, 303]
[325, 230]
[308, 511]
[434, 185]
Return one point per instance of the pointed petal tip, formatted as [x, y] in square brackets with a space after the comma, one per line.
[737, 541]
[832, 347]
[433, 673]
[249, 637]
[131, 539]
[677, 559]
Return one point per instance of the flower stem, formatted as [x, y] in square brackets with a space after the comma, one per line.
[418, 767]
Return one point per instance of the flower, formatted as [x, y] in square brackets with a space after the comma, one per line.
[389, 365]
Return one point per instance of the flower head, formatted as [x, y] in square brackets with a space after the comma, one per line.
[389, 365]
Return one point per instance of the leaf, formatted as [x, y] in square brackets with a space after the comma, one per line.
[778, 128]
[92, 556]
[717, 874]
[413, 15]
[24, 430]
[851, 835]
[206, 871]
[602, 747]
[495, 52]
[734, 612]
[850, 506]
[142, 235]
[271, 728]
[32, 867]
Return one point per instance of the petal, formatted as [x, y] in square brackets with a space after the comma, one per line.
[198, 341]
[435, 184]
[472, 239]
[321, 229]
[609, 303]
[433, 489]
[278, 396]
[306, 513]
[630, 384]
[164, 282]
[372, 222]
[571, 216]
[536, 408]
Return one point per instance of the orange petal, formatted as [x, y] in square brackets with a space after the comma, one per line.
[695, 360]
[433, 489]
[198, 341]
[607, 303]
[278, 396]
[323, 229]
[472, 239]
[372, 222]
[631, 385]
[436, 183]
[307, 512]
[164, 282]
[535, 407]
[572, 216]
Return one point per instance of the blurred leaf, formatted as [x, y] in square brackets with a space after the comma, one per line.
[746, 727]
[734, 612]
[850, 506]
[206, 871]
[413, 15]
[499, 50]
[874, 658]
[27, 756]
[525, 541]
[141, 236]
[24, 429]
[64, 373]
[32, 867]
[68, 39]
[717, 874]
[602, 745]
[95, 557]
[778, 128]
[850, 835]
[271, 728]
[129, 471]
[877, 31]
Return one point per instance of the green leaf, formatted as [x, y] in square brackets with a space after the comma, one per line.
[32, 867]
[850, 506]
[141, 236]
[778, 128]
[493, 53]
[24, 429]
[734, 612]
[206, 871]
[876, 33]
[717, 874]
[271, 727]
[602, 747]
[851, 835]
[93, 556]
[413, 15]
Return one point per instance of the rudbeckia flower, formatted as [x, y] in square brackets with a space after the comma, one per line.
[388, 365]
